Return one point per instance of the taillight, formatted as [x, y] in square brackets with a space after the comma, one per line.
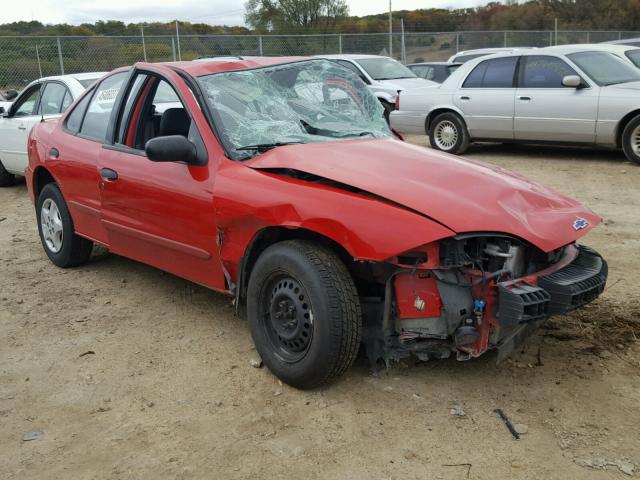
[398, 101]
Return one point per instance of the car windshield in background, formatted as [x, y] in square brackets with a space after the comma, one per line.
[385, 68]
[87, 82]
[605, 68]
[634, 56]
[452, 68]
[303, 102]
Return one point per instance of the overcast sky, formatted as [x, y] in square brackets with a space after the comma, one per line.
[216, 12]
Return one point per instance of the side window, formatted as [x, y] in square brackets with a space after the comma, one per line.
[74, 120]
[541, 71]
[496, 73]
[26, 105]
[474, 79]
[52, 99]
[430, 73]
[419, 70]
[353, 68]
[153, 109]
[67, 101]
[96, 120]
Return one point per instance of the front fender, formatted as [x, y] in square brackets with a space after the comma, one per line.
[248, 201]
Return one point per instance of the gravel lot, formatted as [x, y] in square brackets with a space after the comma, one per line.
[133, 373]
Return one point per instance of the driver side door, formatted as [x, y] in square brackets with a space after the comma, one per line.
[159, 213]
[15, 128]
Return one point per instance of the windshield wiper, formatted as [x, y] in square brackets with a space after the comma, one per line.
[325, 132]
[263, 147]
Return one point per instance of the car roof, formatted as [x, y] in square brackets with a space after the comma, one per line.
[492, 50]
[73, 76]
[586, 47]
[594, 47]
[209, 66]
[351, 56]
[624, 41]
[434, 63]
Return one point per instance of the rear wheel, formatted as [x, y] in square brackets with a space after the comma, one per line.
[63, 247]
[304, 313]
[6, 179]
[631, 140]
[448, 133]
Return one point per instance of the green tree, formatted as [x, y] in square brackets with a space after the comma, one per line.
[295, 15]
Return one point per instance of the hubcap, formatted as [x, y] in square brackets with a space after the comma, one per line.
[635, 141]
[446, 135]
[51, 224]
[288, 318]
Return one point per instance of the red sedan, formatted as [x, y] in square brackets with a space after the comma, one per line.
[277, 182]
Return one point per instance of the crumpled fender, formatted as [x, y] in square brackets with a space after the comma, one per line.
[248, 200]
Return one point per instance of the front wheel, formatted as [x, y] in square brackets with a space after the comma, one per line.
[55, 225]
[631, 140]
[6, 179]
[304, 313]
[448, 133]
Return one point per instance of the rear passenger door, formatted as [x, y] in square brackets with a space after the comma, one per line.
[546, 110]
[486, 98]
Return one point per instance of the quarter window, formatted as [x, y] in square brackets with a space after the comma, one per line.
[495, 73]
[96, 120]
[74, 120]
[540, 71]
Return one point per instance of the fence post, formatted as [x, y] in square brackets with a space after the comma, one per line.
[178, 41]
[505, 39]
[60, 56]
[403, 55]
[38, 58]
[619, 35]
[260, 45]
[173, 48]
[340, 43]
[588, 37]
[551, 38]
[457, 42]
[144, 47]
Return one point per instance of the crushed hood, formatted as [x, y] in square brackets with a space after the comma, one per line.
[463, 195]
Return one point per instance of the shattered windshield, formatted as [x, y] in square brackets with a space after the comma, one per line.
[303, 102]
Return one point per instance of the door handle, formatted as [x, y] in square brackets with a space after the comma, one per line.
[525, 99]
[54, 153]
[108, 174]
[21, 127]
[465, 97]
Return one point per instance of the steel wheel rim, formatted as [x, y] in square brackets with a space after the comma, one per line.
[446, 135]
[287, 317]
[635, 141]
[51, 225]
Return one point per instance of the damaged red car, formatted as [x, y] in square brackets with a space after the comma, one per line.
[277, 182]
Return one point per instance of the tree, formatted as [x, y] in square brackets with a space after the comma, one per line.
[295, 15]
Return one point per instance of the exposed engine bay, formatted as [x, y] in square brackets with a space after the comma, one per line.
[472, 293]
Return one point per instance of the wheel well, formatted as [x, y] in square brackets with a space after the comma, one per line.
[622, 124]
[270, 236]
[41, 177]
[434, 114]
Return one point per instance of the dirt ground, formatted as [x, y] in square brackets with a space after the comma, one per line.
[132, 373]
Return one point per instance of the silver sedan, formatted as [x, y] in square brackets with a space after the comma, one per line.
[570, 95]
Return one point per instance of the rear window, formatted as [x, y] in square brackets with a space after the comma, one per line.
[634, 56]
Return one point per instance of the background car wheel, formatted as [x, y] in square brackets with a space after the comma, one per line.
[304, 313]
[448, 133]
[631, 140]
[63, 247]
[6, 178]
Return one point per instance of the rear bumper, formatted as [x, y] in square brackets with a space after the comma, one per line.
[524, 304]
[406, 122]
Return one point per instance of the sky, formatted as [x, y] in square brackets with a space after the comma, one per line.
[215, 12]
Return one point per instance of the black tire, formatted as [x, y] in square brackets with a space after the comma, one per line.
[304, 313]
[460, 135]
[631, 140]
[388, 108]
[74, 250]
[6, 179]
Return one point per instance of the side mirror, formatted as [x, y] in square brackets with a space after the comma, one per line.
[2, 111]
[172, 148]
[10, 94]
[572, 81]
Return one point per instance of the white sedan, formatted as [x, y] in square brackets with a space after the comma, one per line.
[46, 97]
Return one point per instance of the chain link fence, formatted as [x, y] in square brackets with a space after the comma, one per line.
[25, 58]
